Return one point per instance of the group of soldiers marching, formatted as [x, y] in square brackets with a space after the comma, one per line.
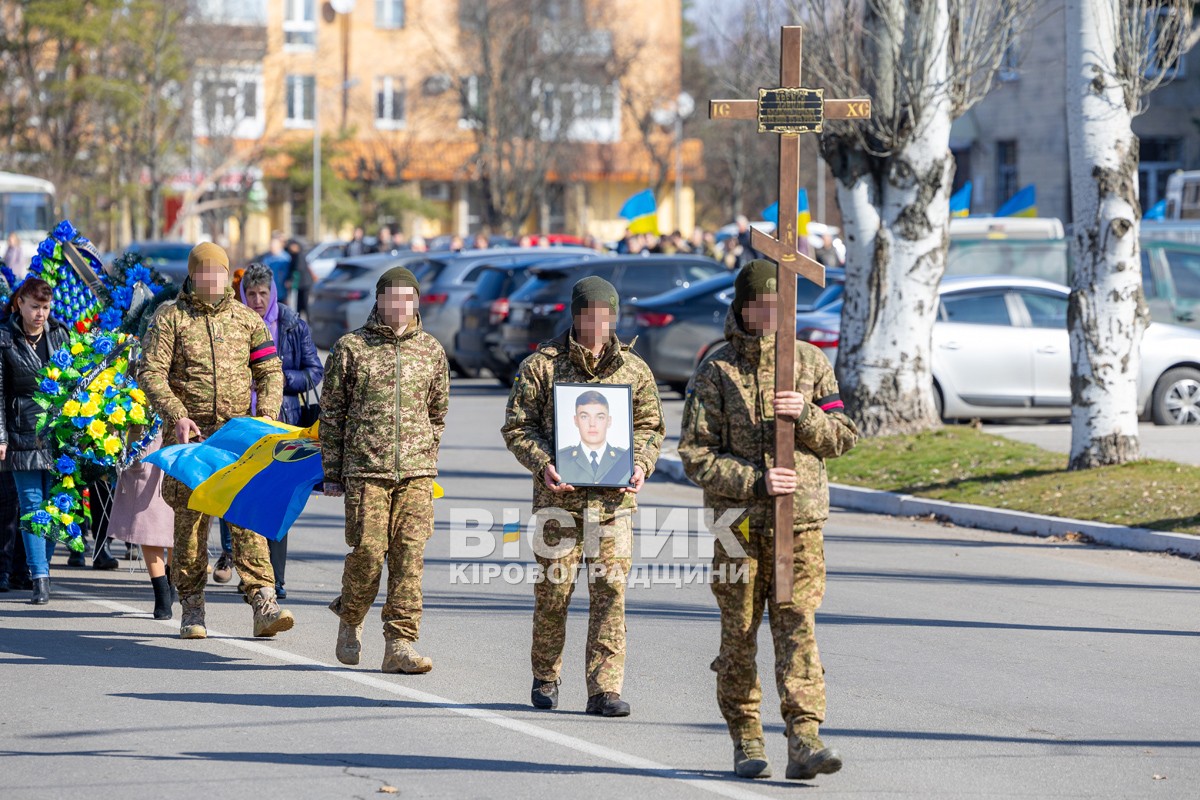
[383, 407]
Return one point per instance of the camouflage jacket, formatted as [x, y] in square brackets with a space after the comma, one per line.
[529, 418]
[383, 404]
[728, 437]
[199, 361]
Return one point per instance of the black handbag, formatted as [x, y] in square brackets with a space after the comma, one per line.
[310, 412]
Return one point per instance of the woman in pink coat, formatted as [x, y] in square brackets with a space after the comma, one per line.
[141, 516]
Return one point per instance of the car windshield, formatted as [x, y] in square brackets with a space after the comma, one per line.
[547, 286]
[345, 272]
[1031, 259]
[159, 253]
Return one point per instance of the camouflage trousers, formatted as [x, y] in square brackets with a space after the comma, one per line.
[392, 521]
[799, 675]
[608, 561]
[189, 562]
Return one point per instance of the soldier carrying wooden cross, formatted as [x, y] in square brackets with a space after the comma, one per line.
[749, 394]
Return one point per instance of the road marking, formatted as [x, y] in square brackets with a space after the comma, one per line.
[717, 786]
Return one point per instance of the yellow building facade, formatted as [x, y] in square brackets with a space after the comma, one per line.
[395, 82]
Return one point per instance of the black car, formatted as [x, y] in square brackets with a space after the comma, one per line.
[477, 344]
[677, 329]
[541, 309]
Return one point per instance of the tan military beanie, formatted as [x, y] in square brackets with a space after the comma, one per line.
[207, 254]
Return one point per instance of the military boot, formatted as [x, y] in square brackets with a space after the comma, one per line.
[808, 757]
[607, 704]
[191, 626]
[750, 759]
[269, 618]
[400, 656]
[544, 694]
[349, 642]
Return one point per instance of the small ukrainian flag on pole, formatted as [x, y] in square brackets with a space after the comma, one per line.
[642, 212]
[960, 201]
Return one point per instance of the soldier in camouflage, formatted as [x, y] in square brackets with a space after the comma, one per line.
[383, 410]
[726, 446]
[200, 354]
[593, 524]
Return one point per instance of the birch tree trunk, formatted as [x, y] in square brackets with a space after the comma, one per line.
[896, 215]
[1107, 314]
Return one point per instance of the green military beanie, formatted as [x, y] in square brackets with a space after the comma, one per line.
[593, 291]
[758, 277]
[397, 276]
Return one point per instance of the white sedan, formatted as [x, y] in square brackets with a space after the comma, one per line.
[1001, 350]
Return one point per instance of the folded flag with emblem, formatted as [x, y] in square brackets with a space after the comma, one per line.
[255, 474]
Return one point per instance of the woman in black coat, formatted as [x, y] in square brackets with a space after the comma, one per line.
[302, 373]
[27, 340]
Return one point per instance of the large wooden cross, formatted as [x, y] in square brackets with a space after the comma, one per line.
[788, 110]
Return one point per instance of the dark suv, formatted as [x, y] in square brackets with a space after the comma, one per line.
[541, 309]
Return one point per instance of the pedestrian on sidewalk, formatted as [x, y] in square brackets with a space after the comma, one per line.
[383, 410]
[588, 352]
[726, 444]
[200, 355]
[27, 339]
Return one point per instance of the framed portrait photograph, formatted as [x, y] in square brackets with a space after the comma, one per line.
[593, 433]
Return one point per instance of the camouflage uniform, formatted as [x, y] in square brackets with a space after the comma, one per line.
[726, 445]
[199, 361]
[383, 410]
[529, 433]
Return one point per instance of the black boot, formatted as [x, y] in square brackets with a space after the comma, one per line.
[174, 591]
[19, 581]
[104, 558]
[4, 582]
[75, 559]
[41, 591]
[544, 694]
[607, 704]
[162, 597]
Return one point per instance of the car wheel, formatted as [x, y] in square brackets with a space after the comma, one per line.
[1177, 397]
[938, 403]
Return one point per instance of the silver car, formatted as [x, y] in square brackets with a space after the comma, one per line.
[1001, 350]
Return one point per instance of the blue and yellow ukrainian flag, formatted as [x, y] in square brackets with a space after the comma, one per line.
[803, 215]
[252, 473]
[642, 212]
[960, 201]
[1021, 204]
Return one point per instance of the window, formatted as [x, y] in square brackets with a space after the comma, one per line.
[1162, 26]
[299, 23]
[301, 100]
[1185, 273]
[1046, 310]
[976, 309]
[227, 103]
[588, 111]
[1149, 287]
[1010, 59]
[474, 102]
[1006, 171]
[1158, 158]
[232, 12]
[391, 97]
[646, 280]
[389, 13]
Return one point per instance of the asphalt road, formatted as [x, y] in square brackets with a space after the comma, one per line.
[960, 663]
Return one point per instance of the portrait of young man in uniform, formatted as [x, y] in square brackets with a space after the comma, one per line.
[601, 456]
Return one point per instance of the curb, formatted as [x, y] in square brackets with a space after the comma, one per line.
[874, 501]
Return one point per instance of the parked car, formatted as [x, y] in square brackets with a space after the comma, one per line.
[450, 278]
[477, 345]
[168, 257]
[342, 301]
[677, 329]
[541, 309]
[1171, 281]
[1001, 350]
[323, 257]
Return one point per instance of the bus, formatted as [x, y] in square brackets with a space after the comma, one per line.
[26, 208]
